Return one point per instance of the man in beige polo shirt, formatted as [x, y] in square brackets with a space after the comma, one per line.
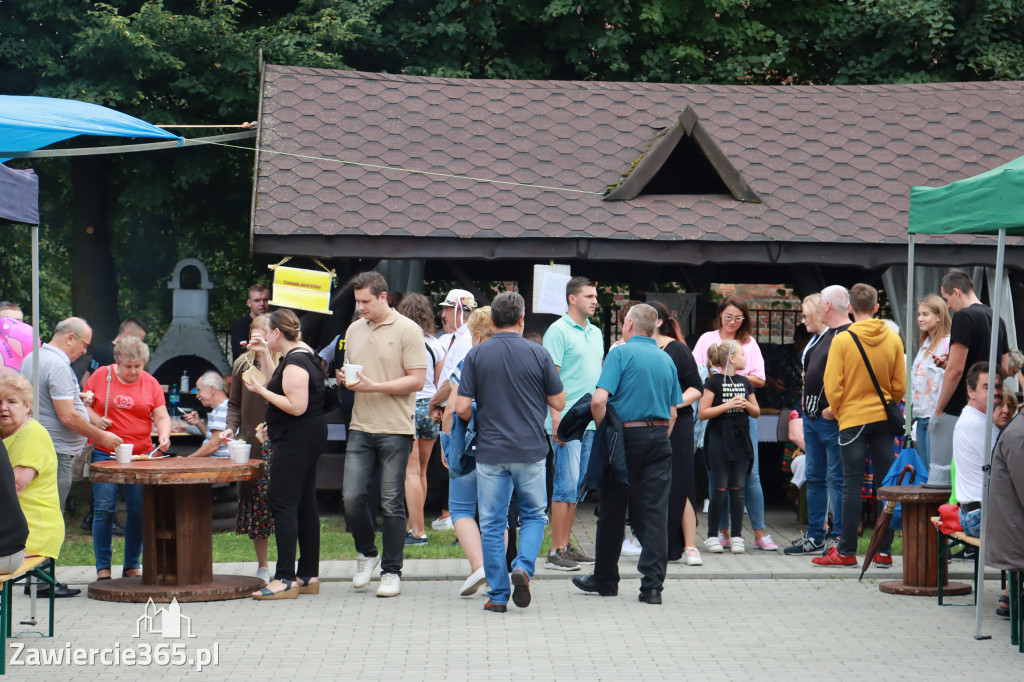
[394, 366]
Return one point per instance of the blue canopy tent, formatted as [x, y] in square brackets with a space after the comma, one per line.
[988, 203]
[29, 123]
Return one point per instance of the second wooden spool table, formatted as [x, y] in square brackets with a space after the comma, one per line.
[177, 533]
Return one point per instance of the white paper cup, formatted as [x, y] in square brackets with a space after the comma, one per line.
[239, 452]
[123, 453]
[352, 374]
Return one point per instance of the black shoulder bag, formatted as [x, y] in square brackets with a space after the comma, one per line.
[897, 425]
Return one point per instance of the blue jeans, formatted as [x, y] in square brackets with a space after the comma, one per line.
[365, 453]
[755, 495]
[571, 461]
[923, 442]
[495, 483]
[105, 502]
[971, 522]
[462, 496]
[824, 475]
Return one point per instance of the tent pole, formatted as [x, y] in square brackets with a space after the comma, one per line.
[35, 321]
[908, 343]
[993, 349]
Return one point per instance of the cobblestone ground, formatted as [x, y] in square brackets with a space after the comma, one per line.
[759, 629]
[757, 616]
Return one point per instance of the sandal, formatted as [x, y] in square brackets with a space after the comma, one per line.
[137, 574]
[1004, 606]
[307, 587]
[290, 591]
[103, 577]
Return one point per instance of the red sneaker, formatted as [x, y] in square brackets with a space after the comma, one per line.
[834, 558]
[883, 560]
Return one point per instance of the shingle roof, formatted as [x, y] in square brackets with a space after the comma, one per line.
[831, 164]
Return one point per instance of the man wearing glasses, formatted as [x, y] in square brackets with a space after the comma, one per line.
[61, 408]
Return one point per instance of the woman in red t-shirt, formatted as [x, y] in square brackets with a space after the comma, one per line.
[126, 401]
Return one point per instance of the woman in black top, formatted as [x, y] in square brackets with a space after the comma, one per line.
[682, 513]
[298, 430]
[13, 528]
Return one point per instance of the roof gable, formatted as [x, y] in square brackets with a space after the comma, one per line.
[684, 159]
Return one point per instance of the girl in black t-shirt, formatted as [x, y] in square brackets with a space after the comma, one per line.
[727, 402]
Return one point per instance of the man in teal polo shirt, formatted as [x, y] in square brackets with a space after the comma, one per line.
[577, 349]
[640, 382]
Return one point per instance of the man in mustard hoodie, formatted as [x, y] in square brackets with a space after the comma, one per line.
[862, 424]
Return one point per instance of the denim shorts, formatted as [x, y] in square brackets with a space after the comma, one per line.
[571, 462]
[971, 522]
[462, 497]
[425, 429]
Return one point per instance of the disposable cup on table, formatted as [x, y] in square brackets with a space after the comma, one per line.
[123, 453]
[239, 452]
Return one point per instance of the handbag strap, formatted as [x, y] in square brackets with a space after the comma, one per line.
[106, 401]
[871, 372]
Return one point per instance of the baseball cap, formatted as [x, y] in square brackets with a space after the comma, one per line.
[459, 296]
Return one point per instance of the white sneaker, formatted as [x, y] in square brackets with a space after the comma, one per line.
[474, 582]
[443, 524]
[713, 545]
[629, 549]
[364, 570]
[693, 556]
[737, 546]
[263, 573]
[390, 585]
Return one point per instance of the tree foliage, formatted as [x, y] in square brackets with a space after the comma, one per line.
[195, 62]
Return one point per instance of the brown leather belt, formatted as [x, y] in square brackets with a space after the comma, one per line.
[645, 422]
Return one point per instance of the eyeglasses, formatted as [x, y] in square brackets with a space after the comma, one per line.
[732, 318]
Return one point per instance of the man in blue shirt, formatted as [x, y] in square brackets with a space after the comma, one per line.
[513, 382]
[640, 382]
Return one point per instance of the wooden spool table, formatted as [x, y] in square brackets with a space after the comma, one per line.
[177, 535]
[920, 570]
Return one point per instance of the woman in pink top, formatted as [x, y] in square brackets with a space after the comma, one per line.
[734, 325]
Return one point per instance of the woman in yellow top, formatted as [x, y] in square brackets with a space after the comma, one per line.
[35, 467]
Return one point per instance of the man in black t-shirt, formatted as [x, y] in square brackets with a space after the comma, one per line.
[969, 341]
[824, 460]
[258, 302]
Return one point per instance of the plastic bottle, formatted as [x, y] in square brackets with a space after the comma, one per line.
[174, 397]
[184, 381]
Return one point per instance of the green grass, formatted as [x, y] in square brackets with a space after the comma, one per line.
[862, 544]
[335, 543]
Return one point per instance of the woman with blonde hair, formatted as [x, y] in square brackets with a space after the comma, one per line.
[245, 414]
[462, 495]
[34, 463]
[127, 401]
[926, 376]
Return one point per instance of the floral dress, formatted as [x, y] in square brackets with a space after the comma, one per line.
[254, 517]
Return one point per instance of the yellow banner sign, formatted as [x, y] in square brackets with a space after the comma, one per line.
[302, 289]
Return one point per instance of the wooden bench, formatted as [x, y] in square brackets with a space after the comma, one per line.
[40, 567]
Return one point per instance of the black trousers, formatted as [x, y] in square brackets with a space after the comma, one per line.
[292, 496]
[649, 462]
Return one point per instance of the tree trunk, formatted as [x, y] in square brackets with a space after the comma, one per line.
[94, 285]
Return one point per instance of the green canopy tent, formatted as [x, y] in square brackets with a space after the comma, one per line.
[989, 203]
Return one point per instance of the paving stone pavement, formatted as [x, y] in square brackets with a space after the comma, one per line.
[758, 616]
